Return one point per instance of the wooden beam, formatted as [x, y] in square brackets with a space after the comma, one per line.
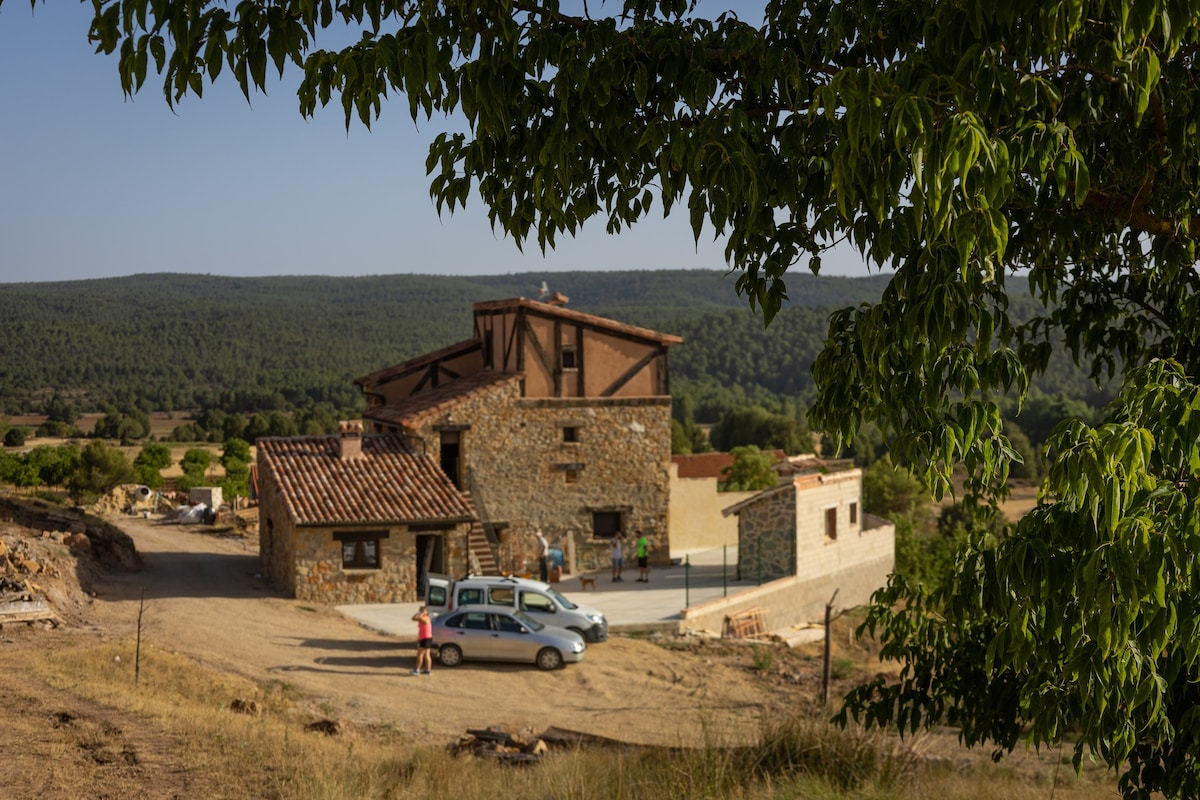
[581, 387]
[537, 348]
[558, 358]
[629, 373]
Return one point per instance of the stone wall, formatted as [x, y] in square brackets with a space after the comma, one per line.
[319, 576]
[276, 537]
[522, 473]
[767, 537]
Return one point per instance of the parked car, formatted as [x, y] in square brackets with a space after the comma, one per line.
[538, 600]
[488, 633]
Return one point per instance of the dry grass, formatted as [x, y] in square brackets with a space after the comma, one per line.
[183, 710]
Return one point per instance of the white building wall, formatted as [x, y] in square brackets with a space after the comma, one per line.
[695, 520]
[816, 554]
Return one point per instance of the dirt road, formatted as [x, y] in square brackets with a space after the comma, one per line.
[204, 598]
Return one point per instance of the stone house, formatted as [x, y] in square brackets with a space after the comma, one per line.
[356, 519]
[549, 419]
[811, 528]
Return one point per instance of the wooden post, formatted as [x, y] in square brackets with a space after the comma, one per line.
[137, 658]
[828, 665]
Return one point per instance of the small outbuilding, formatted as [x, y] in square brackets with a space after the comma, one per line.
[357, 519]
[810, 530]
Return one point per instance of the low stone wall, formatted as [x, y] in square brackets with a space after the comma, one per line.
[791, 601]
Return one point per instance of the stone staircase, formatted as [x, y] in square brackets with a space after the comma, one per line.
[481, 550]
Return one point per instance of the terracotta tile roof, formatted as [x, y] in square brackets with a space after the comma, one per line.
[413, 411]
[548, 310]
[387, 484]
[710, 465]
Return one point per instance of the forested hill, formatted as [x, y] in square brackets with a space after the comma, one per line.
[187, 340]
[182, 341]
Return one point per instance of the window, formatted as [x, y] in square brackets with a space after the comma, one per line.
[831, 524]
[605, 524]
[506, 623]
[571, 475]
[532, 601]
[436, 596]
[500, 596]
[570, 434]
[854, 513]
[570, 357]
[360, 550]
[475, 621]
[470, 597]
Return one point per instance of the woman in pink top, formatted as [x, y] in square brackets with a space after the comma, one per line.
[424, 641]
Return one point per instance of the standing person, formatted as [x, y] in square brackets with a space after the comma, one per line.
[643, 557]
[618, 556]
[424, 641]
[543, 557]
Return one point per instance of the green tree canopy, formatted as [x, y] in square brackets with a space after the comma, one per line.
[150, 462]
[196, 461]
[54, 463]
[100, 468]
[960, 144]
[750, 471]
[757, 426]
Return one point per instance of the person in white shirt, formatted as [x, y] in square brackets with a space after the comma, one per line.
[618, 556]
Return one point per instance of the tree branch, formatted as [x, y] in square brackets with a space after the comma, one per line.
[1133, 213]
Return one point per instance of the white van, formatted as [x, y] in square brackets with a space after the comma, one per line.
[535, 598]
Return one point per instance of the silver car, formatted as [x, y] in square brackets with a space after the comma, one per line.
[488, 633]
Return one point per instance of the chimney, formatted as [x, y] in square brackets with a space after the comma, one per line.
[350, 445]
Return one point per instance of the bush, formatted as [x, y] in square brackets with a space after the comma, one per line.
[101, 467]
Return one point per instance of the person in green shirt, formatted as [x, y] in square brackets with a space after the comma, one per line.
[643, 557]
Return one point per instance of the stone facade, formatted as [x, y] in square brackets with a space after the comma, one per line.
[525, 473]
[353, 521]
[767, 538]
[552, 420]
[306, 561]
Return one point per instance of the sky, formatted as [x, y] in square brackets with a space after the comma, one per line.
[94, 184]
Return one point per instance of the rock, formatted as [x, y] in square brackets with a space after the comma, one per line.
[331, 727]
[78, 543]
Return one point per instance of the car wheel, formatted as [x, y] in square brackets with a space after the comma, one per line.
[548, 658]
[450, 655]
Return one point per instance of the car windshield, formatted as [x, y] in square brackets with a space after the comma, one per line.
[528, 621]
[567, 604]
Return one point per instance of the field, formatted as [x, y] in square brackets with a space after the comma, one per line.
[161, 425]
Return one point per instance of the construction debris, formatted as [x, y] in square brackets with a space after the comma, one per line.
[496, 743]
[749, 623]
[18, 603]
[131, 498]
